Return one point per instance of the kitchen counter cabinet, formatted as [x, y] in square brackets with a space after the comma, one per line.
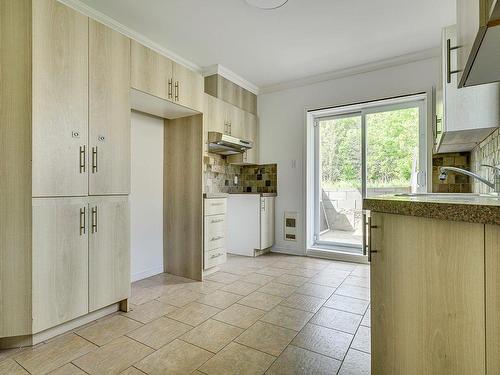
[492, 262]
[428, 299]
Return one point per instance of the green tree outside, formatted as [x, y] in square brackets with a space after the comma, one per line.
[392, 139]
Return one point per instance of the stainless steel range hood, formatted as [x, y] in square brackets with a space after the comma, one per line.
[224, 144]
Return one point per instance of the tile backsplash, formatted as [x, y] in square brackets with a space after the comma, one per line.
[487, 152]
[219, 177]
[455, 182]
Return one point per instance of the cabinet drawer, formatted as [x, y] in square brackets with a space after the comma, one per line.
[214, 241]
[215, 206]
[215, 257]
[215, 224]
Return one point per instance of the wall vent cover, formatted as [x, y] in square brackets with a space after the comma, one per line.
[290, 222]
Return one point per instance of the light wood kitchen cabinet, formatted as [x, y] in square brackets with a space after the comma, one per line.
[157, 75]
[427, 296]
[222, 88]
[250, 133]
[478, 39]
[464, 116]
[109, 255]
[151, 72]
[60, 261]
[214, 115]
[109, 111]
[188, 87]
[492, 254]
[60, 100]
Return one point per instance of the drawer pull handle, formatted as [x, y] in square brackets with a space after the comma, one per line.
[217, 238]
[217, 204]
[217, 221]
[216, 255]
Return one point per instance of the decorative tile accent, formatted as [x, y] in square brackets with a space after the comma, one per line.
[455, 182]
[219, 177]
[487, 152]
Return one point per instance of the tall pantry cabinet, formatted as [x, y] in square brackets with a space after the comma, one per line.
[64, 167]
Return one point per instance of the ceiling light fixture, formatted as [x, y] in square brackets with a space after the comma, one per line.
[267, 4]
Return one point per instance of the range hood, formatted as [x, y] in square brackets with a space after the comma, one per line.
[224, 144]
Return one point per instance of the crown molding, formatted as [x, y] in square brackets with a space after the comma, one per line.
[342, 73]
[115, 25]
[232, 76]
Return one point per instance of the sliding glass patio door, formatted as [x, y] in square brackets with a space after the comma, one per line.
[374, 150]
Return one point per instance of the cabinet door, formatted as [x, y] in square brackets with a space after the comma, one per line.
[252, 134]
[109, 251]
[188, 87]
[236, 120]
[427, 296]
[266, 222]
[151, 72]
[109, 112]
[492, 298]
[467, 108]
[213, 115]
[472, 19]
[60, 261]
[60, 100]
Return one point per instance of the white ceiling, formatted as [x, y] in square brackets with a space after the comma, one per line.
[304, 38]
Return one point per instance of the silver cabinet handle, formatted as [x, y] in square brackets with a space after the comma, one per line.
[177, 90]
[216, 238]
[217, 221]
[449, 72]
[94, 159]
[94, 219]
[216, 204]
[370, 227]
[83, 162]
[83, 214]
[216, 255]
[170, 88]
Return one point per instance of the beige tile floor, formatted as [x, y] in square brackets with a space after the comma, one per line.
[274, 314]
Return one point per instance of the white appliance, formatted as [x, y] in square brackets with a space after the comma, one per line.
[250, 223]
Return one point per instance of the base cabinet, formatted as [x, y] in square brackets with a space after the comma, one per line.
[109, 255]
[492, 254]
[60, 261]
[427, 296]
[81, 259]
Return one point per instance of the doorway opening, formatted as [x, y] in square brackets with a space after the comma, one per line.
[359, 151]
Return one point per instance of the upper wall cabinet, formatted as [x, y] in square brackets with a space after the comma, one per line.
[464, 116]
[222, 88]
[478, 41]
[250, 130]
[151, 72]
[157, 75]
[60, 100]
[188, 87]
[109, 111]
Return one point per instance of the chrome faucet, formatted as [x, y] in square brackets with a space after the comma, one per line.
[495, 185]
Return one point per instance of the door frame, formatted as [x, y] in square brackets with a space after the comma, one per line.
[314, 115]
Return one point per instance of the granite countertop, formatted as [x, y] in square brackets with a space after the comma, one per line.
[261, 194]
[225, 195]
[473, 208]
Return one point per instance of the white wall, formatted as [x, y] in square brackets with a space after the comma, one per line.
[146, 198]
[283, 135]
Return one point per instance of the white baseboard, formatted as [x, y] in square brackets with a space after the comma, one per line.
[289, 251]
[147, 273]
[337, 255]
